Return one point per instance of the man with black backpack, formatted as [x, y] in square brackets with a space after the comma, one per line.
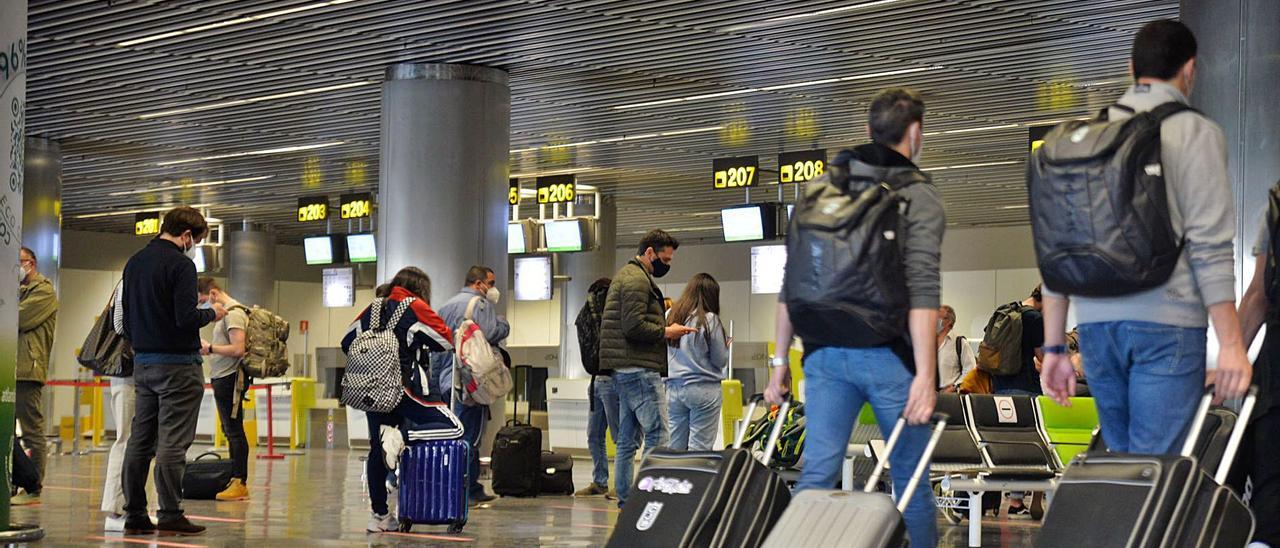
[862, 291]
[603, 400]
[1133, 223]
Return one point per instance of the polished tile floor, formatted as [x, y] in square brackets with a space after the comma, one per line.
[316, 499]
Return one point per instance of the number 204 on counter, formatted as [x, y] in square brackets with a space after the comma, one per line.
[737, 172]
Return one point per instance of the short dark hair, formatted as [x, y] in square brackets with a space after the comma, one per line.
[892, 111]
[477, 274]
[1161, 48]
[413, 280]
[181, 219]
[29, 253]
[1036, 294]
[206, 284]
[659, 240]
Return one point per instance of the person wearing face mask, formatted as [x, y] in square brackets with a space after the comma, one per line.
[480, 286]
[162, 321]
[37, 318]
[633, 345]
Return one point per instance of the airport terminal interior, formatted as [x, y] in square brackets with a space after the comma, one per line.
[330, 143]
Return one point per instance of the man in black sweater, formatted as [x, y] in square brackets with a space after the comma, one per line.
[163, 322]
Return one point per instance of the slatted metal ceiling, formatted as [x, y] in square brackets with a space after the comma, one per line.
[982, 64]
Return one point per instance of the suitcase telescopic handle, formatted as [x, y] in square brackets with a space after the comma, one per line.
[922, 467]
[1237, 431]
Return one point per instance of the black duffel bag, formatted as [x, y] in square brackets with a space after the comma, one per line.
[557, 474]
[205, 478]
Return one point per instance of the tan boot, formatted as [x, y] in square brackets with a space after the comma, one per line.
[236, 491]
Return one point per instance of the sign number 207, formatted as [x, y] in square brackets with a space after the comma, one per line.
[736, 177]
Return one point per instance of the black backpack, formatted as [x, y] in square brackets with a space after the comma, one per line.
[588, 324]
[1271, 280]
[1099, 208]
[845, 281]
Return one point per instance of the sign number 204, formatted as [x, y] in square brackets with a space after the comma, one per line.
[736, 177]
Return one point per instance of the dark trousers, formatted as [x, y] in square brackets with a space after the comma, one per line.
[376, 465]
[164, 424]
[29, 409]
[1264, 471]
[472, 418]
[228, 394]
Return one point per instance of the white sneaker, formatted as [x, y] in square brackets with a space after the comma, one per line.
[382, 524]
[392, 445]
[1257, 544]
[114, 524]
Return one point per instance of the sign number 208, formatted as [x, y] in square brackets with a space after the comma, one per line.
[735, 177]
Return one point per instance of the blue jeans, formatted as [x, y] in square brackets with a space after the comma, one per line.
[1146, 379]
[604, 414]
[693, 415]
[639, 412]
[837, 382]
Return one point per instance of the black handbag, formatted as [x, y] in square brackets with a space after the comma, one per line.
[104, 351]
[557, 474]
[205, 478]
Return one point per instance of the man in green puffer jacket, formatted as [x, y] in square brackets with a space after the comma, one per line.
[633, 346]
[37, 317]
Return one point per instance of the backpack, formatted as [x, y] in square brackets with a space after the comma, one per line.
[1271, 281]
[372, 382]
[1000, 352]
[845, 282]
[265, 351]
[588, 323]
[1099, 207]
[481, 376]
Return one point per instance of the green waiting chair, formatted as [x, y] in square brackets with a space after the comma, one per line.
[1067, 429]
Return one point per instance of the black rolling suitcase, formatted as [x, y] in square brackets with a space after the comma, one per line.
[1140, 501]
[854, 519]
[1217, 517]
[702, 498]
[517, 455]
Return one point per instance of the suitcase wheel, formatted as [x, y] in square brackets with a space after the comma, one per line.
[455, 528]
[405, 525]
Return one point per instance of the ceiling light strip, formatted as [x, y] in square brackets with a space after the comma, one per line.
[820, 13]
[156, 209]
[192, 185]
[282, 150]
[671, 133]
[964, 166]
[251, 100]
[791, 85]
[230, 22]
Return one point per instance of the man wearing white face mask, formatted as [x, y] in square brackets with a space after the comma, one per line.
[37, 318]
[162, 321]
[480, 286]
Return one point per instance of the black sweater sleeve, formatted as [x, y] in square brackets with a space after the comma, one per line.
[185, 298]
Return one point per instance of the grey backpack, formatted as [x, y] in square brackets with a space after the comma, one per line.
[1099, 208]
[372, 382]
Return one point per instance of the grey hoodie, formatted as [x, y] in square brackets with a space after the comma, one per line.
[1194, 157]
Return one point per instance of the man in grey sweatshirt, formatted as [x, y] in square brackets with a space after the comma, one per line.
[1144, 353]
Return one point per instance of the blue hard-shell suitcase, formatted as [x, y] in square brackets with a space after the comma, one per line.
[433, 484]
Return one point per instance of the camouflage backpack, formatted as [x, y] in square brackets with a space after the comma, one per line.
[265, 351]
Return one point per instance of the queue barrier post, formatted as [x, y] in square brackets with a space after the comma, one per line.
[271, 439]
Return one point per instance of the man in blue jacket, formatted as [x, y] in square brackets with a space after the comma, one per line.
[482, 286]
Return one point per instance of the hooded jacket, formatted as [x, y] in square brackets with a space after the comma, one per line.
[37, 318]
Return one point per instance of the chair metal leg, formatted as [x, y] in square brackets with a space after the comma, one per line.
[975, 519]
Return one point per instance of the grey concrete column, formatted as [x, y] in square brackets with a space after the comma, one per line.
[251, 252]
[42, 204]
[442, 188]
[584, 269]
[1236, 76]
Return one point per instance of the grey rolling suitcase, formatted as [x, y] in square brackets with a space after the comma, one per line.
[851, 519]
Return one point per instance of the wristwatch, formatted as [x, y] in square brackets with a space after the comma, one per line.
[778, 361]
[1055, 349]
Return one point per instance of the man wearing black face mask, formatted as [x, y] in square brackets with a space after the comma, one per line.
[633, 337]
[163, 322]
